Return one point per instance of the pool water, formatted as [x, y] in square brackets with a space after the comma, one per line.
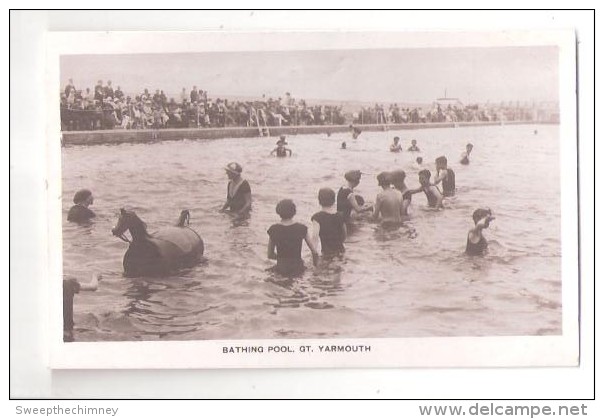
[411, 282]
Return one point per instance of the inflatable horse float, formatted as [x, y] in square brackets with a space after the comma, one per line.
[162, 252]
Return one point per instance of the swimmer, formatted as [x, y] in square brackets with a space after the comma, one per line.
[389, 202]
[71, 286]
[535, 132]
[80, 213]
[280, 150]
[343, 146]
[419, 161]
[465, 156]
[395, 147]
[435, 198]
[286, 238]
[413, 146]
[328, 224]
[347, 200]
[239, 193]
[444, 175]
[355, 132]
[476, 244]
[398, 181]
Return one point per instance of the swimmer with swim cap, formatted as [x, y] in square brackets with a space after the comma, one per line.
[80, 213]
[280, 150]
[239, 192]
[347, 200]
[476, 244]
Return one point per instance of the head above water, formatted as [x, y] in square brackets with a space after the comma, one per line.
[424, 176]
[396, 140]
[343, 145]
[286, 209]
[469, 146]
[481, 213]
[441, 162]
[413, 142]
[327, 197]
[83, 196]
[233, 169]
[384, 179]
[397, 177]
[353, 176]
[419, 160]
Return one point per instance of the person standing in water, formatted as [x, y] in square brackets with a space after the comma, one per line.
[239, 193]
[398, 181]
[445, 175]
[465, 156]
[285, 241]
[396, 147]
[280, 150]
[476, 244]
[388, 203]
[435, 198]
[72, 286]
[355, 132]
[329, 225]
[347, 200]
[413, 147]
[80, 213]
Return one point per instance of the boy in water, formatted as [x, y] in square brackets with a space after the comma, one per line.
[445, 175]
[329, 224]
[465, 156]
[286, 237]
[388, 203]
[435, 198]
[419, 161]
[343, 146]
[398, 181]
[476, 244]
[395, 147]
[355, 132]
[80, 213]
[347, 200]
[280, 150]
[413, 146]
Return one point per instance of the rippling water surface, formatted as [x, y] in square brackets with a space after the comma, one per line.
[413, 282]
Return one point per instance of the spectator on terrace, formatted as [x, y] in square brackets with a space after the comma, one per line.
[183, 96]
[99, 92]
[69, 88]
[109, 89]
[118, 94]
[194, 95]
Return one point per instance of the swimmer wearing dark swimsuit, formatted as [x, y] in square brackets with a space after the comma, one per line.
[476, 244]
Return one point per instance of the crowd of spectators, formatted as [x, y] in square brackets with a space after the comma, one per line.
[106, 107]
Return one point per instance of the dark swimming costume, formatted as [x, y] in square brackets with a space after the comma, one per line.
[281, 152]
[288, 240]
[80, 214]
[465, 160]
[237, 201]
[343, 205]
[331, 232]
[475, 249]
[449, 183]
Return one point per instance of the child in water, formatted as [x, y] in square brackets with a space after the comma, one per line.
[395, 147]
[465, 156]
[343, 146]
[286, 237]
[445, 175]
[355, 132]
[476, 244]
[435, 198]
[347, 200]
[280, 150]
[80, 213]
[329, 224]
[413, 146]
[398, 181]
[388, 203]
[419, 161]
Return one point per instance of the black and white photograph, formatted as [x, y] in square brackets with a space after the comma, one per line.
[315, 196]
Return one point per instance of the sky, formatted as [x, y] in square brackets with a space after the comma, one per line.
[413, 75]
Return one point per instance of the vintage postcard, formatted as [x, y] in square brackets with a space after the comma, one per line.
[312, 199]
